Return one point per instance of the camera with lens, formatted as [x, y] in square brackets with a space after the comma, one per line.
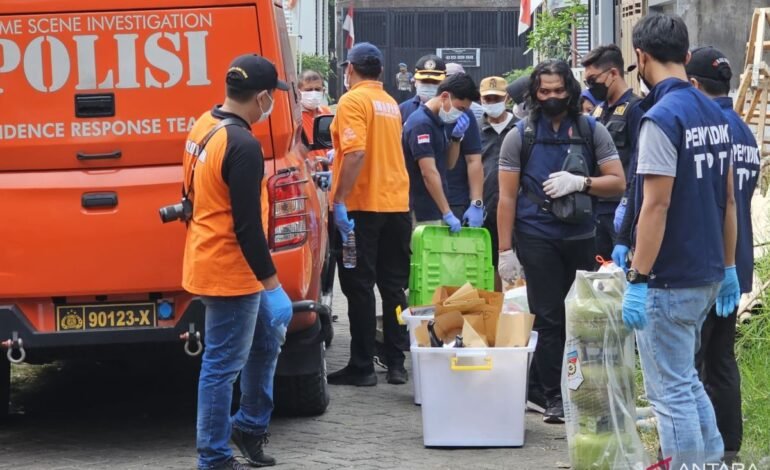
[181, 211]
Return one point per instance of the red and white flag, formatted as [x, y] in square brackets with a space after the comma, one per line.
[528, 8]
[347, 26]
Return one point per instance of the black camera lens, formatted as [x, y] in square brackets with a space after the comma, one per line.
[171, 213]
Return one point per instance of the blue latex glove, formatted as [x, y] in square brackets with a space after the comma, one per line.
[635, 306]
[619, 256]
[278, 305]
[620, 212]
[729, 293]
[453, 222]
[344, 225]
[461, 125]
[474, 215]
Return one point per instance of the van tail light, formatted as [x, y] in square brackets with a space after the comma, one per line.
[288, 224]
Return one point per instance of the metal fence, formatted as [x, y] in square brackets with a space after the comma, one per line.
[405, 36]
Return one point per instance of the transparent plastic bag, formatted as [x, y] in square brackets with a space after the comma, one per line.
[516, 300]
[598, 376]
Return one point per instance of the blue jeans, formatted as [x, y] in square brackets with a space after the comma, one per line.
[240, 337]
[687, 425]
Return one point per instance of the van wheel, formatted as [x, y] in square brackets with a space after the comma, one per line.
[5, 388]
[301, 395]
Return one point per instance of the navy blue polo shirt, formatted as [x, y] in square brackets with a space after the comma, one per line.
[457, 177]
[424, 137]
[408, 107]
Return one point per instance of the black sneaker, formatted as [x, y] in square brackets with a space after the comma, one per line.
[250, 446]
[231, 464]
[397, 375]
[350, 376]
[554, 411]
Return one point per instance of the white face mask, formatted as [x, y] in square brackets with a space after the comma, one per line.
[426, 91]
[643, 88]
[266, 114]
[451, 116]
[520, 111]
[494, 110]
[312, 99]
[346, 81]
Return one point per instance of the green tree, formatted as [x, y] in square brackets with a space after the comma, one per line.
[552, 35]
[319, 63]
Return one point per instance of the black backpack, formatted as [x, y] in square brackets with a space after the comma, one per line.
[575, 208]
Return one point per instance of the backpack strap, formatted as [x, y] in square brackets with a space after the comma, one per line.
[528, 139]
[201, 146]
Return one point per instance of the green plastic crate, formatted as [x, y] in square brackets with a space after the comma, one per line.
[441, 258]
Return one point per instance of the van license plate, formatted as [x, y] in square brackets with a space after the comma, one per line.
[106, 316]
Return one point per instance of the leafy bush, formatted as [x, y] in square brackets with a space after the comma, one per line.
[517, 73]
[319, 63]
[552, 35]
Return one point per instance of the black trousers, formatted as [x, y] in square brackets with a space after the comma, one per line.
[490, 223]
[549, 266]
[605, 235]
[719, 373]
[382, 249]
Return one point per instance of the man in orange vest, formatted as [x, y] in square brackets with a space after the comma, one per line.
[227, 262]
[371, 182]
[311, 88]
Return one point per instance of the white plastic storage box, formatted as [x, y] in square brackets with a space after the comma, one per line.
[474, 397]
[412, 322]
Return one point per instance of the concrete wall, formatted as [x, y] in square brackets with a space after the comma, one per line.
[724, 24]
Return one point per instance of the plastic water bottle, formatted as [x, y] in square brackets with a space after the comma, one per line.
[349, 251]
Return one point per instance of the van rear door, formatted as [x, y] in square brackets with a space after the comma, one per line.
[96, 108]
[112, 89]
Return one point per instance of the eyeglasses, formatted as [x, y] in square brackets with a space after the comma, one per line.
[592, 81]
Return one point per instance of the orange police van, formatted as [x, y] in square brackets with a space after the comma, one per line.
[97, 100]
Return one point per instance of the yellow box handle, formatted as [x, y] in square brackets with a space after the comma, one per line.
[399, 318]
[455, 367]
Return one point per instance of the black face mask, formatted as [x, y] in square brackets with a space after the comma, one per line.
[599, 91]
[554, 106]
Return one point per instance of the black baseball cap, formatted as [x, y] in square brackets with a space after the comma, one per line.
[709, 63]
[430, 67]
[518, 89]
[254, 72]
[363, 53]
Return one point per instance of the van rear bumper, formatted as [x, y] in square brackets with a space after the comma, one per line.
[13, 323]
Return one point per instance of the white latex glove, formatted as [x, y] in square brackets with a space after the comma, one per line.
[561, 183]
[509, 267]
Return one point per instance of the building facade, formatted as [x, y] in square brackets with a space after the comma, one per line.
[309, 26]
[480, 34]
[719, 23]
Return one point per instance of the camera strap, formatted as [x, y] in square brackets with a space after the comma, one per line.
[200, 148]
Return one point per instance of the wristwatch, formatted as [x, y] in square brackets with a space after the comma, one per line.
[635, 277]
[477, 203]
[587, 184]
[456, 139]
